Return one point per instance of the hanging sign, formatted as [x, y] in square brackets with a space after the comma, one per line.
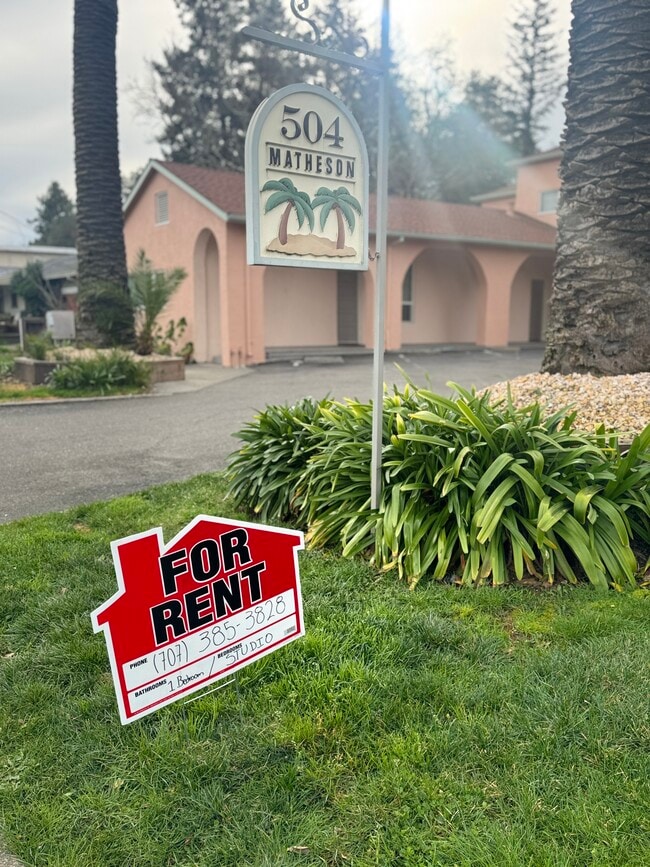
[216, 598]
[306, 183]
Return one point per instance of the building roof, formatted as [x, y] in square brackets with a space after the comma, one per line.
[468, 223]
[61, 267]
[223, 193]
[499, 193]
[544, 156]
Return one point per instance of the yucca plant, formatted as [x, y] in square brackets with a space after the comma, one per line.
[151, 289]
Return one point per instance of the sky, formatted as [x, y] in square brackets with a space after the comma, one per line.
[36, 137]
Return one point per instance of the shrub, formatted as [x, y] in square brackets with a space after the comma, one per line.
[472, 492]
[105, 372]
[266, 470]
[38, 345]
[150, 291]
[6, 366]
[105, 315]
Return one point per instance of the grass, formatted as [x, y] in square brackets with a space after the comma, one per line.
[20, 391]
[408, 728]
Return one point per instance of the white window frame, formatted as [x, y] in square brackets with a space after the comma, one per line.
[543, 208]
[161, 208]
[407, 296]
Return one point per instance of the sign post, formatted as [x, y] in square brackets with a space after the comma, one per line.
[381, 70]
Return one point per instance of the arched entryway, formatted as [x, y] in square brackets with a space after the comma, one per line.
[529, 300]
[441, 298]
[207, 298]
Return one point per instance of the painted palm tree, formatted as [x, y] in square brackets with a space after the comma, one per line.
[285, 192]
[600, 306]
[343, 204]
[105, 307]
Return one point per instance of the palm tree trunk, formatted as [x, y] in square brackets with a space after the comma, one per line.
[283, 235]
[102, 272]
[600, 306]
[340, 236]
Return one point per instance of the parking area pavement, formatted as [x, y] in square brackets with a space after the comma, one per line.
[61, 454]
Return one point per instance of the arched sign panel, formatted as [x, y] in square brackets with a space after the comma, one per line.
[306, 183]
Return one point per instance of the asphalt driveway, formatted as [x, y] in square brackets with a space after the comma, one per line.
[57, 455]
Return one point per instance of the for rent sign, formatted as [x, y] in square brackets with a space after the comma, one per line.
[306, 182]
[219, 596]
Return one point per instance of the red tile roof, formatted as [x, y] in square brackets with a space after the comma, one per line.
[410, 217]
[224, 189]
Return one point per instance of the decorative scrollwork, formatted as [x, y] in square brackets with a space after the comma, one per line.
[330, 31]
[299, 6]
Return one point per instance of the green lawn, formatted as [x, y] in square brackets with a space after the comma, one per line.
[17, 391]
[435, 727]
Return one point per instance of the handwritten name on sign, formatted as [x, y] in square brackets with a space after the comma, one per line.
[217, 597]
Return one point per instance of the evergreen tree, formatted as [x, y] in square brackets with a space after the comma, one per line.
[488, 97]
[534, 79]
[55, 221]
[462, 131]
[210, 89]
[471, 158]
[39, 294]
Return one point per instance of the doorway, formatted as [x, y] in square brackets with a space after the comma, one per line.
[347, 308]
[536, 310]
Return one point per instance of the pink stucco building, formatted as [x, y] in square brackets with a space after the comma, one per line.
[475, 274]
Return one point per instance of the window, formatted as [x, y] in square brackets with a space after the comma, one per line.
[548, 201]
[14, 299]
[407, 296]
[162, 208]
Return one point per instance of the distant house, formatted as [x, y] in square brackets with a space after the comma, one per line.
[476, 274]
[59, 269]
[536, 191]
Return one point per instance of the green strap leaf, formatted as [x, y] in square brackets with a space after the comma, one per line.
[496, 467]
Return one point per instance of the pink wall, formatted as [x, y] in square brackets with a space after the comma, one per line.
[172, 245]
[300, 307]
[445, 299]
[532, 180]
[462, 293]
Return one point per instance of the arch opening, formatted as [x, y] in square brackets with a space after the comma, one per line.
[207, 298]
[441, 295]
[529, 300]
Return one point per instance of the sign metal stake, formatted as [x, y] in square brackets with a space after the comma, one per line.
[382, 264]
[381, 70]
